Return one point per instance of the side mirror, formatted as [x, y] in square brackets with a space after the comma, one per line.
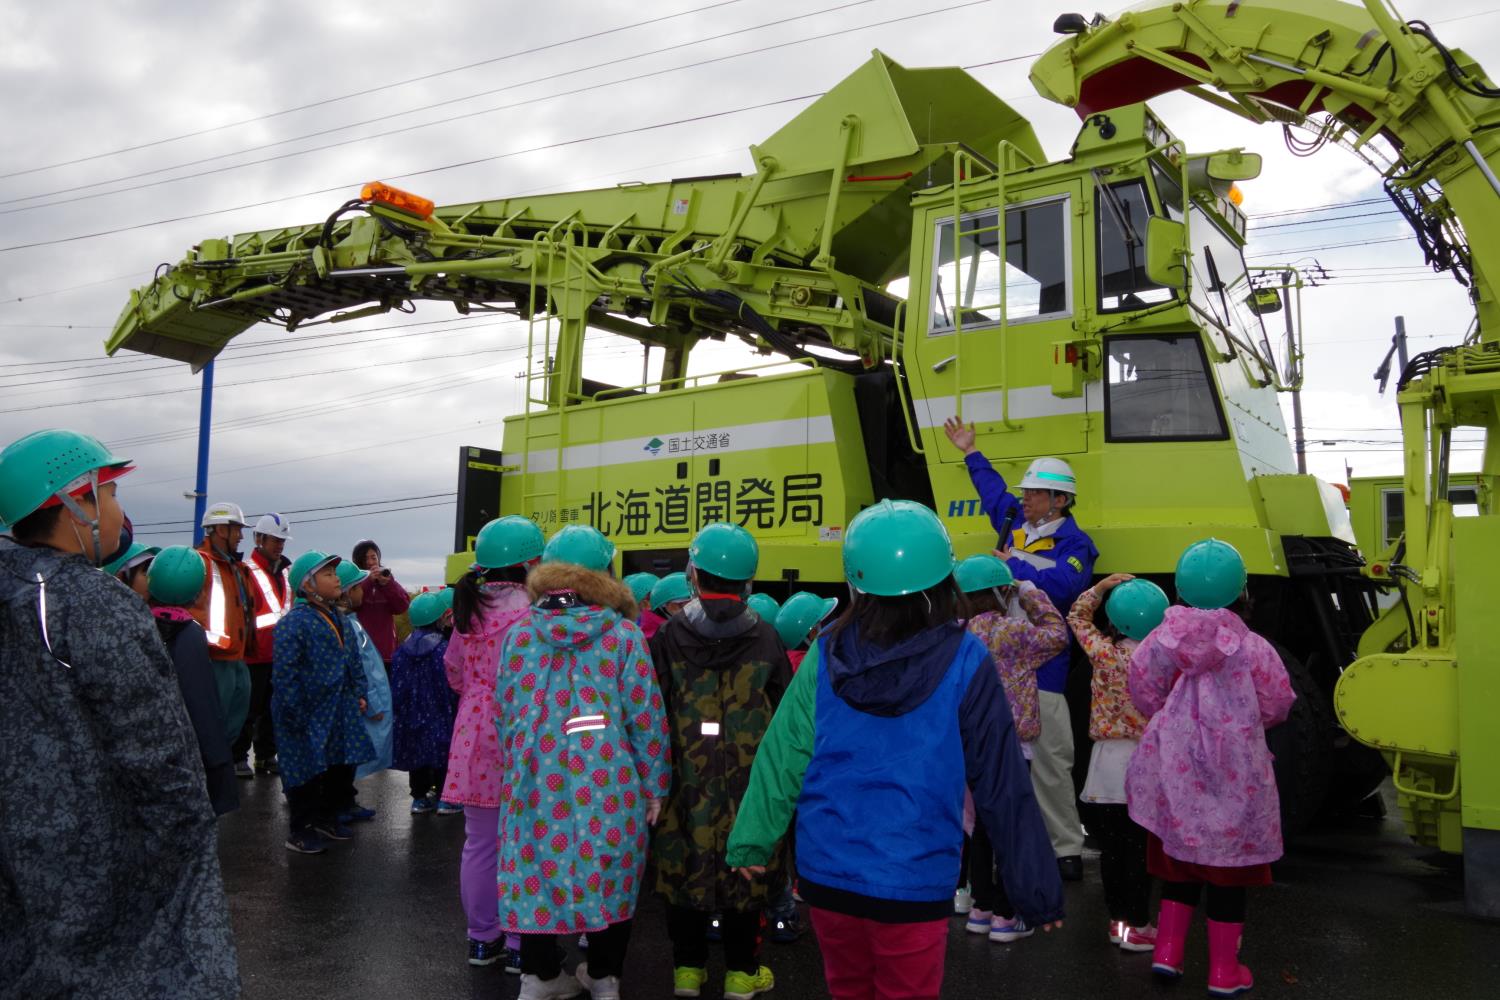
[1264, 301]
[1166, 246]
[1217, 172]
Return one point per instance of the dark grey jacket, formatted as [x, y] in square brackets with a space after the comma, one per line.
[109, 870]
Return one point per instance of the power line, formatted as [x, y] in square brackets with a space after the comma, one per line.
[316, 520]
[276, 353]
[430, 170]
[369, 90]
[314, 510]
[284, 377]
[346, 450]
[465, 115]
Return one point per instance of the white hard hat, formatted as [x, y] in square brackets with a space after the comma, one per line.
[224, 513]
[1050, 474]
[274, 525]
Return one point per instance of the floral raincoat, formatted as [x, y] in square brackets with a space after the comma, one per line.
[1201, 779]
[471, 661]
[584, 744]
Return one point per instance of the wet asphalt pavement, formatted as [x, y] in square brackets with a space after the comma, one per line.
[1356, 912]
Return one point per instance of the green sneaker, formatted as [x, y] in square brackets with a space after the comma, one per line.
[688, 981]
[743, 986]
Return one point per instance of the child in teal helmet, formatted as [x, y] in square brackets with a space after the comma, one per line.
[488, 601]
[723, 671]
[109, 843]
[424, 705]
[174, 581]
[1022, 631]
[1133, 607]
[798, 621]
[895, 710]
[1202, 679]
[318, 698]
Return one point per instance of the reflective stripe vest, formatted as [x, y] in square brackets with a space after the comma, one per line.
[223, 609]
[274, 607]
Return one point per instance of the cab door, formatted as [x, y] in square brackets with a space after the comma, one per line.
[999, 313]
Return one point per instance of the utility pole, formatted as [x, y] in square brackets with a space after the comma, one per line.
[1299, 437]
[205, 420]
[1398, 351]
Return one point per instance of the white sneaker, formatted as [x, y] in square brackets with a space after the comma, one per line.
[979, 921]
[535, 988]
[603, 988]
[963, 902]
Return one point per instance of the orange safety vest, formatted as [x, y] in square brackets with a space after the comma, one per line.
[223, 614]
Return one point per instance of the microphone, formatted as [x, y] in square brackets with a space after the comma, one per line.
[1010, 519]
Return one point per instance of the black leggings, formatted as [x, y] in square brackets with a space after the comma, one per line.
[688, 929]
[1122, 863]
[541, 957]
[1226, 903]
[987, 890]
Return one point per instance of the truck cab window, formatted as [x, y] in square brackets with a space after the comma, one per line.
[1159, 389]
[1036, 267]
[1122, 211]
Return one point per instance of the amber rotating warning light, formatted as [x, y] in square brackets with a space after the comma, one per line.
[403, 201]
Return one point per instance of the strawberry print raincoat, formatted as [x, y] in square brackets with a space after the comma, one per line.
[583, 745]
[1201, 779]
[471, 663]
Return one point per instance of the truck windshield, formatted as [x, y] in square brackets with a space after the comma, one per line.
[1122, 211]
[1220, 285]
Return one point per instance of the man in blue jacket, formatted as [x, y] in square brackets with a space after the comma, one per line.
[1047, 547]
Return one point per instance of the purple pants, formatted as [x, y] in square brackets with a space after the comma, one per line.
[476, 876]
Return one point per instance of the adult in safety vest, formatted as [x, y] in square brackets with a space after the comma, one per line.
[1041, 542]
[224, 611]
[270, 598]
[110, 885]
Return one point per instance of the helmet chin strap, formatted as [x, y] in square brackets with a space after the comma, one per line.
[77, 511]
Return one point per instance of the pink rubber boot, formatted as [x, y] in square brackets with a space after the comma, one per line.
[1226, 976]
[1171, 938]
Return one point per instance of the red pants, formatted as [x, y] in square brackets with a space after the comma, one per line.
[867, 960]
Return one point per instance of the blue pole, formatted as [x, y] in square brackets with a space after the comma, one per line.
[205, 420]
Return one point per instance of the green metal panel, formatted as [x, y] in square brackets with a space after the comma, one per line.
[1476, 551]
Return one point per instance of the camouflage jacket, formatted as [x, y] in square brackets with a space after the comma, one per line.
[722, 673]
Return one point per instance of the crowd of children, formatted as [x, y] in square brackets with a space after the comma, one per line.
[585, 725]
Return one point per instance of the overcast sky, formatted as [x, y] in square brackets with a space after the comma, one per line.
[84, 217]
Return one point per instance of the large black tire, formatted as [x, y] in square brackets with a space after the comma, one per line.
[1303, 748]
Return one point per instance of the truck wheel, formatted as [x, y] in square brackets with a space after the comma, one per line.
[1303, 748]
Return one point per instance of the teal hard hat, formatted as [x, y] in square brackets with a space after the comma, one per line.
[425, 609]
[726, 550]
[672, 587]
[43, 464]
[799, 614]
[580, 545]
[133, 557]
[765, 606]
[446, 596]
[176, 576]
[304, 566]
[1136, 607]
[1210, 574]
[896, 547]
[508, 541]
[640, 585]
[351, 575]
[982, 572]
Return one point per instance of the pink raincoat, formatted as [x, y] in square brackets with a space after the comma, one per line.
[1201, 779]
[472, 662]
